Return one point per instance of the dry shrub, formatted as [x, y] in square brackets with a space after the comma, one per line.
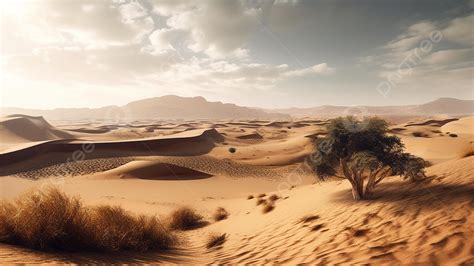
[49, 219]
[215, 240]
[308, 218]
[262, 195]
[220, 214]
[419, 134]
[273, 197]
[250, 197]
[261, 201]
[185, 218]
[268, 207]
[452, 135]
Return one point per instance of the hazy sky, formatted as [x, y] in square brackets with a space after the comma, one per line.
[90, 53]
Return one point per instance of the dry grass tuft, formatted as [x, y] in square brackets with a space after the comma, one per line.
[220, 214]
[50, 219]
[308, 218]
[262, 195]
[261, 201]
[268, 207]
[273, 198]
[250, 197]
[215, 240]
[419, 134]
[185, 218]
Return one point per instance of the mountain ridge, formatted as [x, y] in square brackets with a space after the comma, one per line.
[176, 107]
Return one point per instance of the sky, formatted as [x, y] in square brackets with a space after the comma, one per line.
[259, 53]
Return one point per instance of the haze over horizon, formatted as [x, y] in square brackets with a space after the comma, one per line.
[269, 54]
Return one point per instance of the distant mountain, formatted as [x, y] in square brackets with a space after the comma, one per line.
[175, 107]
[441, 106]
[165, 107]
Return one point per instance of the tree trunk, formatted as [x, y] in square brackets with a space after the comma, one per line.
[356, 194]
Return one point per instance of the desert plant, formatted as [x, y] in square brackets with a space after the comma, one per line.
[215, 240]
[413, 168]
[268, 207]
[185, 218]
[419, 134]
[262, 195]
[360, 151]
[220, 214]
[261, 201]
[49, 219]
[273, 198]
[250, 197]
[452, 135]
[232, 150]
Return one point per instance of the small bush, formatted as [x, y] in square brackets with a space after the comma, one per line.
[261, 201]
[419, 134]
[452, 135]
[50, 219]
[273, 198]
[308, 218]
[220, 214]
[215, 240]
[185, 218]
[249, 197]
[268, 207]
[262, 195]
[232, 150]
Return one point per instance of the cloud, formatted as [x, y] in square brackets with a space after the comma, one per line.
[165, 39]
[87, 23]
[460, 30]
[217, 28]
[449, 57]
[320, 69]
[419, 60]
[411, 37]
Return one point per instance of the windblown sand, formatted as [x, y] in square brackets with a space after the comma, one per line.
[153, 168]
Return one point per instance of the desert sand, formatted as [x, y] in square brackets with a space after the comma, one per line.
[151, 167]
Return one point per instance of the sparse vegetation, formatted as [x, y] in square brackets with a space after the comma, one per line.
[220, 214]
[262, 195]
[50, 219]
[232, 150]
[308, 218]
[419, 134]
[185, 218]
[215, 240]
[414, 168]
[268, 207]
[452, 135]
[261, 201]
[249, 197]
[273, 197]
[362, 152]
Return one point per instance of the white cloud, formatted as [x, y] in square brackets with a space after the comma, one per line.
[411, 37]
[460, 30]
[447, 57]
[217, 28]
[320, 69]
[163, 39]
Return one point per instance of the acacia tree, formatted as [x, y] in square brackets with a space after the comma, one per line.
[362, 152]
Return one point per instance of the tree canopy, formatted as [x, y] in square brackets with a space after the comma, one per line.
[362, 152]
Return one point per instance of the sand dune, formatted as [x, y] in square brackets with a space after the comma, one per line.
[462, 126]
[155, 171]
[193, 142]
[175, 164]
[23, 128]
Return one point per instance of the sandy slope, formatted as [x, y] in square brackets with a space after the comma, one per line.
[427, 223]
